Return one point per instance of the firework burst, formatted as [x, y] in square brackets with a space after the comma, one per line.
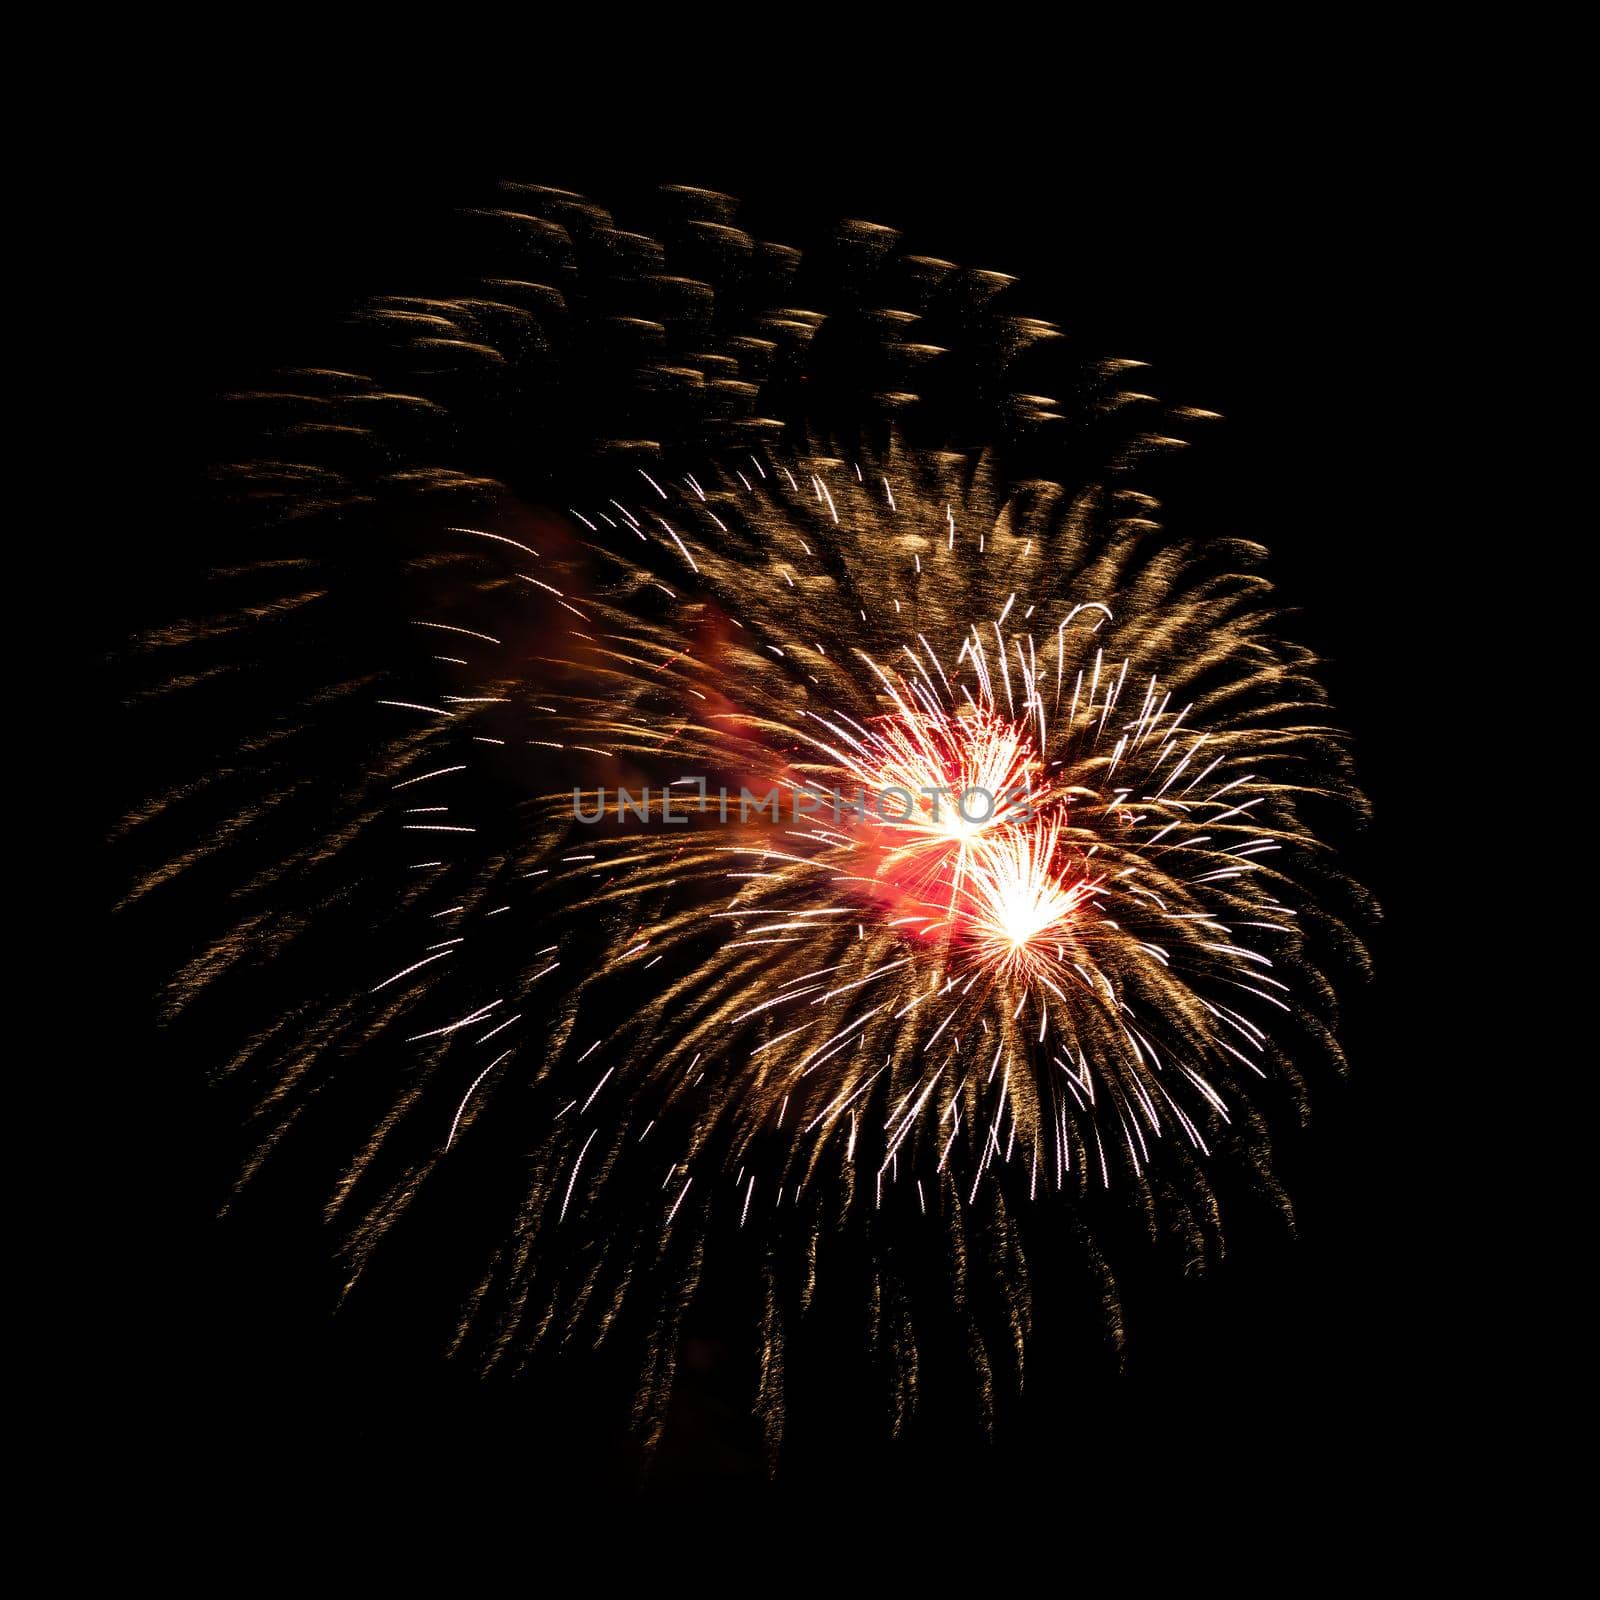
[788, 831]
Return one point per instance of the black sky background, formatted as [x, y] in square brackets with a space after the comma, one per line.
[1260, 273]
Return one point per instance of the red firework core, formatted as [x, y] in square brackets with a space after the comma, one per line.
[968, 830]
